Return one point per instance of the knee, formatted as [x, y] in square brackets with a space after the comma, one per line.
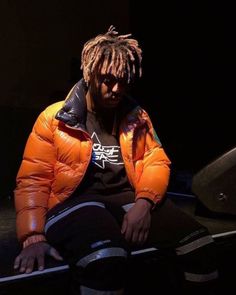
[103, 269]
[198, 260]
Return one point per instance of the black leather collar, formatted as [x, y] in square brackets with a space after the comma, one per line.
[74, 110]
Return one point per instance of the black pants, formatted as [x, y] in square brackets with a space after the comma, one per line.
[86, 231]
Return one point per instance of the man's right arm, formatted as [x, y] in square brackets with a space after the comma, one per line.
[34, 181]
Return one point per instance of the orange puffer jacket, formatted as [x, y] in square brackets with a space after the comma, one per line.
[58, 152]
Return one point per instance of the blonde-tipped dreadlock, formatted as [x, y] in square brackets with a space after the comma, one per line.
[113, 54]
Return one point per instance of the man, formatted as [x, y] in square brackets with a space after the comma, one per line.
[92, 182]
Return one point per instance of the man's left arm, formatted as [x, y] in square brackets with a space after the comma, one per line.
[152, 173]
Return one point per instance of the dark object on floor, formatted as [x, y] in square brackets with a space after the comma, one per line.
[215, 186]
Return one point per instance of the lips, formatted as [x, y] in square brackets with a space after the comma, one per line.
[115, 97]
[114, 100]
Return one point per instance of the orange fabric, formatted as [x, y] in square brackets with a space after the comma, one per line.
[56, 158]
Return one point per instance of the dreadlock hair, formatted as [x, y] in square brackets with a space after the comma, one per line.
[113, 54]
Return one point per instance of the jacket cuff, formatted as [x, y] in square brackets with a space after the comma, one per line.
[33, 239]
[148, 200]
[150, 196]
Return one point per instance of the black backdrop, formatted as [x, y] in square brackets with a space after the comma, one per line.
[188, 83]
[189, 76]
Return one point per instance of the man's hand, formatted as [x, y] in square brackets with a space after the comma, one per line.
[136, 222]
[35, 252]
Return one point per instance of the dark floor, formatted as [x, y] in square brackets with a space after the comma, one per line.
[223, 231]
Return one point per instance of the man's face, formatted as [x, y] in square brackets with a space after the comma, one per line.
[107, 90]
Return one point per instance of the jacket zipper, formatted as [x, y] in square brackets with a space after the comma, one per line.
[84, 170]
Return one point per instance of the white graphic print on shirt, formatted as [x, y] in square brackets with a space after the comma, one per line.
[104, 153]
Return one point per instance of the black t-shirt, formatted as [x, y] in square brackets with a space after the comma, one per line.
[106, 172]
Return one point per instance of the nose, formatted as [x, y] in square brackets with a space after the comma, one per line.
[115, 87]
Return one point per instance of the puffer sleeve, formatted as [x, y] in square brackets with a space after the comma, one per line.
[154, 168]
[34, 179]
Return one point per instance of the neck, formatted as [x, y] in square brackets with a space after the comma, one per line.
[99, 110]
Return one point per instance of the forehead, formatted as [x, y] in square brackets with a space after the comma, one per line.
[112, 74]
[111, 67]
[105, 72]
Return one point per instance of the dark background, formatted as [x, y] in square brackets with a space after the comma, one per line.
[188, 83]
[189, 76]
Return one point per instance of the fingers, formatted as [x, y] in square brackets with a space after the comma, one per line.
[135, 236]
[34, 253]
[29, 265]
[142, 237]
[17, 262]
[41, 262]
[128, 230]
[139, 236]
[54, 253]
[128, 233]
[24, 264]
[124, 225]
[145, 236]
